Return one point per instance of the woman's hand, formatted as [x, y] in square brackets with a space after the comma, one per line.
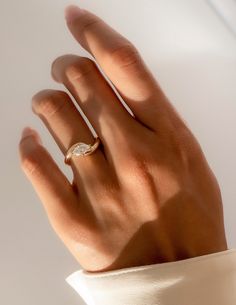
[147, 194]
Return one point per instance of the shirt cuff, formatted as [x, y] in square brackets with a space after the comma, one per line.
[202, 280]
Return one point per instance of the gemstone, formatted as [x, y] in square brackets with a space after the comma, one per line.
[81, 149]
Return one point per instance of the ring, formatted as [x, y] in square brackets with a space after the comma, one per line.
[81, 149]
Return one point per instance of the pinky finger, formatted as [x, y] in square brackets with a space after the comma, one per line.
[51, 185]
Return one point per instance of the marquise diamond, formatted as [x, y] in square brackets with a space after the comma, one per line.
[81, 149]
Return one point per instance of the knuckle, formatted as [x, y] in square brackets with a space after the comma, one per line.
[139, 163]
[126, 56]
[139, 175]
[137, 167]
[185, 146]
[191, 144]
[186, 139]
[79, 68]
[49, 102]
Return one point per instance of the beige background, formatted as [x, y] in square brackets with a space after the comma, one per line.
[193, 55]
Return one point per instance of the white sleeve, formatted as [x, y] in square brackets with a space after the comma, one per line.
[202, 280]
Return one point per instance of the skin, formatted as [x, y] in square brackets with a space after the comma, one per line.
[147, 195]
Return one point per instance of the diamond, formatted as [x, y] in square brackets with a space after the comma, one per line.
[81, 149]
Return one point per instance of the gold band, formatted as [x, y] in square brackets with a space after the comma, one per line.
[81, 149]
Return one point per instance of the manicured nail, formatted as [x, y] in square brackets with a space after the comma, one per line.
[72, 12]
[31, 134]
[28, 141]
[27, 131]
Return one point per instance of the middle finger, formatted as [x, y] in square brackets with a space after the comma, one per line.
[68, 127]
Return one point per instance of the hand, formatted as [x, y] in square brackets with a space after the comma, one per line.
[147, 194]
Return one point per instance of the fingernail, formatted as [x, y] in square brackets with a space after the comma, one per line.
[28, 141]
[31, 134]
[55, 68]
[72, 12]
[27, 131]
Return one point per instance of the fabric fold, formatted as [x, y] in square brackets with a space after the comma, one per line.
[203, 280]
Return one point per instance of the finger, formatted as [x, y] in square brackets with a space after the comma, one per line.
[97, 100]
[122, 63]
[67, 127]
[51, 185]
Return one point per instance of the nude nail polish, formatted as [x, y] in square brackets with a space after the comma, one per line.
[73, 12]
[31, 133]
[27, 131]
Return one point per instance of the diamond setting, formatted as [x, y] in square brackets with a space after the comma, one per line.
[81, 149]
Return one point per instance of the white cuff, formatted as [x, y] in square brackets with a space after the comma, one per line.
[202, 280]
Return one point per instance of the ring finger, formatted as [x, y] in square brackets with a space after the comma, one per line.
[68, 127]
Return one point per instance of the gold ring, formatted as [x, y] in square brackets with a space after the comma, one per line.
[81, 149]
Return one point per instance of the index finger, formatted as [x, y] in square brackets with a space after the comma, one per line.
[122, 63]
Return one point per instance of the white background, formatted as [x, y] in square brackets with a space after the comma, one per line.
[193, 55]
